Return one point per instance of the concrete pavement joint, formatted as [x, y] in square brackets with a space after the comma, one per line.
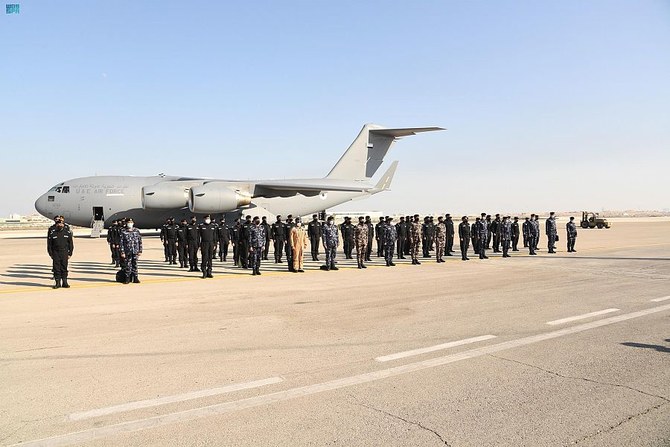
[394, 416]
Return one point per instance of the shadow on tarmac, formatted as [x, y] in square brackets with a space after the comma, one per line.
[658, 348]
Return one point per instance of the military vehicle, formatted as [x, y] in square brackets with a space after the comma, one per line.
[593, 220]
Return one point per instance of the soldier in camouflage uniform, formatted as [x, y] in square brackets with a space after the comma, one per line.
[330, 242]
[361, 237]
[256, 243]
[440, 239]
[571, 229]
[131, 250]
[505, 234]
[390, 237]
[550, 228]
[415, 239]
[482, 235]
[533, 231]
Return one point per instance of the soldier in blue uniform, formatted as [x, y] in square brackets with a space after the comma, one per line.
[256, 243]
[330, 242]
[494, 230]
[550, 229]
[390, 238]
[482, 235]
[235, 239]
[347, 230]
[131, 250]
[489, 230]
[379, 234]
[279, 237]
[505, 234]
[533, 231]
[536, 223]
[464, 237]
[571, 229]
[208, 236]
[60, 246]
[475, 235]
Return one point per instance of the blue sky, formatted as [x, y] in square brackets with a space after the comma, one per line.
[549, 105]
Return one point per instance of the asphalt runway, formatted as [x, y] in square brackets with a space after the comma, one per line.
[550, 350]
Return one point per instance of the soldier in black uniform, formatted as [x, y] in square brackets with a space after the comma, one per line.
[163, 240]
[371, 235]
[431, 234]
[171, 240]
[182, 244]
[424, 237]
[464, 237]
[279, 237]
[289, 249]
[347, 230]
[224, 239]
[494, 229]
[268, 235]
[525, 228]
[408, 224]
[515, 234]
[193, 243]
[475, 236]
[114, 239]
[379, 237]
[208, 235]
[243, 242]
[235, 239]
[449, 223]
[314, 234]
[487, 221]
[401, 229]
[60, 246]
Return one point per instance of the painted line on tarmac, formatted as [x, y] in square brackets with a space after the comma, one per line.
[451, 344]
[663, 298]
[293, 393]
[172, 399]
[582, 317]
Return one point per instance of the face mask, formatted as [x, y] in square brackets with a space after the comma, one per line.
[130, 225]
[208, 221]
[330, 222]
[299, 224]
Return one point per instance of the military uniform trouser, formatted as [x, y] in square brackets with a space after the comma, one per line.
[389, 248]
[59, 264]
[482, 248]
[116, 253]
[289, 256]
[207, 253]
[330, 256]
[449, 246]
[531, 245]
[414, 249]
[298, 257]
[475, 245]
[368, 249]
[496, 242]
[255, 258]
[487, 244]
[525, 241]
[223, 249]
[182, 251]
[465, 244]
[401, 246]
[243, 253]
[279, 249]
[236, 253]
[439, 248]
[380, 247]
[266, 250]
[361, 252]
[165, 251]
[505, 247]
[515, 243]
[130, 266]
[314, 242]
[551, 242]
[571, 243]
[192, 254]
[171, 250]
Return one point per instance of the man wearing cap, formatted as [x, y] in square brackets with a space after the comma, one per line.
[415, 239]
[193, 243]
[256, 243]
[171, 240]
[440, 239]
[464, 237]
[245, 227]
[515, 234]
[390, 238]
[235, 232]
[182, 244]
[482, 234]
[208, 236]
[60, 245]
[289, 252]
[533, 231]
[314, 233]
[475, 235]
[131, 250]
[113, 236]
[298, 245]
[223, 234]
[449, 223]
[401, 229]
[347, 230]
[571, 229]
[536, 222]
[379, 233]
[371, 236]
[268, 236]
[550, 229]
[495, 231]
[279, 238]
[505, 234]
[361, 238]
[525, 229]
[330, 242]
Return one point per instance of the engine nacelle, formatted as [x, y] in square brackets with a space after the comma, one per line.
[216, 198]
[165, 195]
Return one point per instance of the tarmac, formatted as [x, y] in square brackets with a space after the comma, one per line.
[547, 350]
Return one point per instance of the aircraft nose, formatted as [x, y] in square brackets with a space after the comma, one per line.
[41, 205]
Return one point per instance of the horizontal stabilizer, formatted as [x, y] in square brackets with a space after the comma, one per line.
[406, 132]
[384, 183]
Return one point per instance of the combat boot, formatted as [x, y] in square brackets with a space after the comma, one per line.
[136, 280]
[57, 285]
[65, 284]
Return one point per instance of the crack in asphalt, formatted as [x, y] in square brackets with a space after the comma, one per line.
[611, 427]
[407, 421]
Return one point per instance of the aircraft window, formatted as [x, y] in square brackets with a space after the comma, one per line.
[59, 189]
[50, 198]
[66, 189]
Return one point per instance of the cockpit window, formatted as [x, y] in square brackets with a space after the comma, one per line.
[50, 198]
[59, 189]
[66, 189]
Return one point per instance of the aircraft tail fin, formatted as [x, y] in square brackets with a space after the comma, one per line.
[367, 152]
[384, 183]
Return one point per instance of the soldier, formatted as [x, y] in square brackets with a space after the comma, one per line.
[361, 239]
[208, 235]
[464, 237]
[525, 228]
[163, 240]
[552, 233]
[223, 234]
[482, 235]
[505, 230]
[193, 244]
[245, 227]
[379, 234]
[390, 239]
[571, 229]
[515, 234]
[131, 250]
[256, 243]
[536, 223]
[495, 231]
[487, 221]
[431, 234]
[474, 229]
[415, 239]
[408, 225]
[314, 233]
[330, 242]
[440, 239]
[182, 244]
[279, 237]
[533, 231]
[171, 240]
[347, 229]
[298, 239]
[235, 232]
[60, 245]
[268, 234]
[449, 223]
[424, 237]
[289, 252]
[371, 235]
[401, 229]
[113, 239]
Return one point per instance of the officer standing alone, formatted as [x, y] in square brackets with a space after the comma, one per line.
[131, 250]
[330, 242]
[571, 229]
[60, 246]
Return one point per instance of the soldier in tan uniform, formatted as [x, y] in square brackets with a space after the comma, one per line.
[298, 239]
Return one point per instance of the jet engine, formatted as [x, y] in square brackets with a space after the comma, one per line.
[216, 198]
[165, 195]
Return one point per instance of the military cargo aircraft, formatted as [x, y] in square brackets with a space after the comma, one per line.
[149, 201]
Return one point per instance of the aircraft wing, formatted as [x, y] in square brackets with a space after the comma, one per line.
[288, 188]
